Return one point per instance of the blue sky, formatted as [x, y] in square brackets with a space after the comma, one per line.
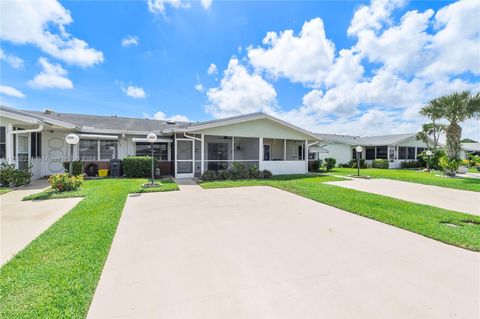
[164, 74]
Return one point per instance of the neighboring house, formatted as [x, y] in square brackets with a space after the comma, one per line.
[469, 149]
[395, 148]
[182, 150]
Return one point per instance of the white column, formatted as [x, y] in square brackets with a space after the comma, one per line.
[233, 148]
[202, 156]
[260, 150]
[285, 149]
[175, 156]
[305, 156]
[9, 143]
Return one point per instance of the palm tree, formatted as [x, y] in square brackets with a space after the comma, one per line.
[455, 108]
[431, 132]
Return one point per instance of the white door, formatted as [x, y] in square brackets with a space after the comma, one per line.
[184, 158]
[55, 152]
[22, 151]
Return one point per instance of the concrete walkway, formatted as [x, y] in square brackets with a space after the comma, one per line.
[259, 252]
[23, 221]
[453, 199]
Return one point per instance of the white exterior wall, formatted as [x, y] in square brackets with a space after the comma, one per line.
[284, 167]
[341, 152]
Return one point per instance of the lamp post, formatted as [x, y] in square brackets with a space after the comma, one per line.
[429, 155]
[71, 139]
[359, 150]
[152, 138]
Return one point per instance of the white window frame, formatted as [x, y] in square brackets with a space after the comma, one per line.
[98, 159]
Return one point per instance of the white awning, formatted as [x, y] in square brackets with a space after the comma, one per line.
[98, 137]
[144, 140]
[317, 149]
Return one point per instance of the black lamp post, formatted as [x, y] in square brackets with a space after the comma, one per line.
[71, 139]
[359, 150]
[152, 138]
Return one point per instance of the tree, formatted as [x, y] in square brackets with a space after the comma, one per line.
[431, 132]
[455, 108]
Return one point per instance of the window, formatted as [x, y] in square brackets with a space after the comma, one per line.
[266, 152]
[420, 150]
[88, 150]
[3, 145]
[108, 150]
[382, 152]
[370, 153]
[301, 153]
[160, 150]
[406, 153]
[36, 145]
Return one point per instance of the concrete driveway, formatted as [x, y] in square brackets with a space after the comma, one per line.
[23, 221]
[453, 199]
[259, 252]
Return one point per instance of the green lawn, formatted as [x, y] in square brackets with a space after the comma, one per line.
[425, 220]
[56, 275]
[4, 190]
[415, 176]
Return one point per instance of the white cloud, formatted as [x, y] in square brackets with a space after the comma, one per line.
[129, 41]
[373, 16]
[14, 61]
[11, 91]
[212, 69]
[52, 76]
[206, 4]
[42, 23]
[305, 58]
[135, 92]
[240, 92]
[163, 117]
[199, 87]
[160, 6]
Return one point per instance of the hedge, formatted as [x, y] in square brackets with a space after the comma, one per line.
[137, 166]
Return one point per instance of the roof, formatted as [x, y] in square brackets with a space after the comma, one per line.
[107, 123]
[471, 147]
[366, 140]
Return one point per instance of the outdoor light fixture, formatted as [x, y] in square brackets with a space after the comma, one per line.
[71, 139]
[359, 149]
[152, 138]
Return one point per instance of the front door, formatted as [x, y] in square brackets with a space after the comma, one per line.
[22, 151]
[184, 150]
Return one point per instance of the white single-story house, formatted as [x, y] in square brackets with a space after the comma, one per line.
[469, 149]
[182, 150]
[395, 148]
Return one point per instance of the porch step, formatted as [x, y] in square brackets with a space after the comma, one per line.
[187, 184]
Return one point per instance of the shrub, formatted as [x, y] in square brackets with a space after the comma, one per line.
[137, 166]
[449, 166]
[77, 168]
[344, 165]
[209, 176]
[410, 164]
[254, 172]
[266, 174]
[12, 177]
[474, 160]
[316, 165]
[65, 182]
[353, 163]
[237, 171]
[329, 163]
[380, 163]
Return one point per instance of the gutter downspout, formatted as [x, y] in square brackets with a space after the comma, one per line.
[33, 130]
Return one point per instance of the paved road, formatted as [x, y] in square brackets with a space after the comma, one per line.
[259, 252]
[453, 199]
[23, 221]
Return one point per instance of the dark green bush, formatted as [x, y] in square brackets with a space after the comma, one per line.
[410, 164]
[209, 176]
[380, 163]
[329, 163]
[237, 171]
[316, 165]
[353, 163]
[77, 168]
[254, 172]
[266, 174]
[137, 166]
[12, 177]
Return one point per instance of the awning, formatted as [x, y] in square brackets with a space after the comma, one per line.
[98, 137]
[317, 149]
